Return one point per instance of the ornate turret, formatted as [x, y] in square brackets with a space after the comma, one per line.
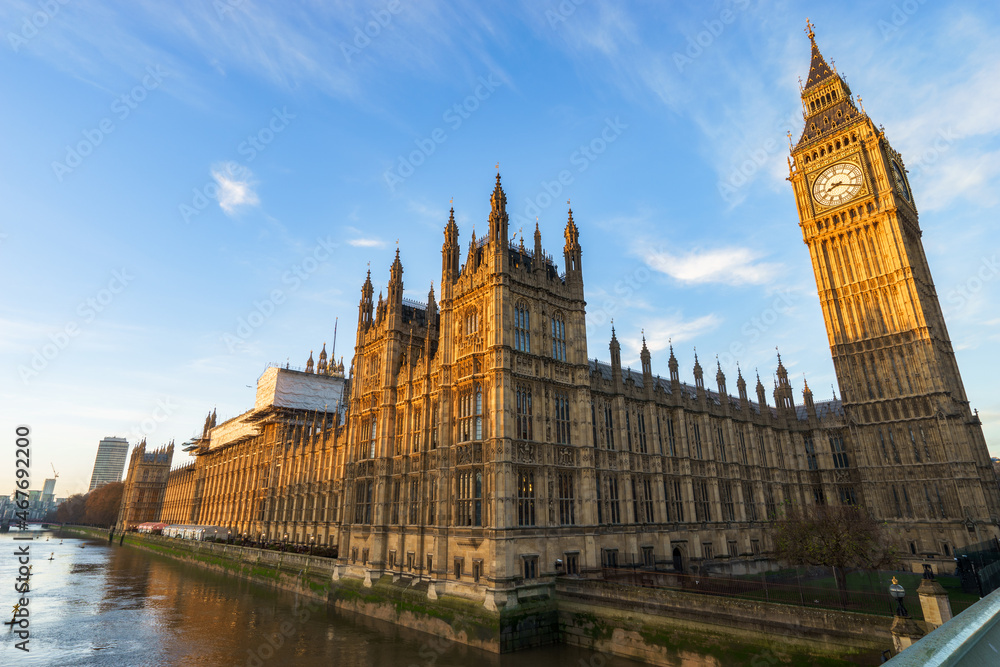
[498, 218]
[572, 252]
[616, 359]
[783, 398]
[741, 386]
[675, 377]
[644, 357]
[538, 264]
[449, 251]
[807, 398]
[321, 367]
[395, 295]
[720, 380]
[762, 398]
[309, 363]
[365, 307]
[699, 376]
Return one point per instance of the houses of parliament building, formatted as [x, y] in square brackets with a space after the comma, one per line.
[475, 442]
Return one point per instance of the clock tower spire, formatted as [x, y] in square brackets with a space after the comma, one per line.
[913, 431]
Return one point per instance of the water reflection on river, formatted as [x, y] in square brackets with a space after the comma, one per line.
[101, 604]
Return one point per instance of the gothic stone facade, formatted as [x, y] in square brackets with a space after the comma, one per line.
[145, 485]
[481, 445]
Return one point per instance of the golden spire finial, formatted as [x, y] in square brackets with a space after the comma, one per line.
[498, 166]
[451, 201]
[810, 28]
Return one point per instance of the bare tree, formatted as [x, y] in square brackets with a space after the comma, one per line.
[842, 537]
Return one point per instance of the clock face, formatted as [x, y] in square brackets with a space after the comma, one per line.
[900, 181]
[838, 184]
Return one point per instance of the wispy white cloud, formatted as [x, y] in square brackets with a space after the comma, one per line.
[670, 329]
[235, 187]
[729, 266]
[366, 243]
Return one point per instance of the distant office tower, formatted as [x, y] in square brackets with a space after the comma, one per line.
[110, 462]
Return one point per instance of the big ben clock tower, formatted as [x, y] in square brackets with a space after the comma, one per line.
[920, 452]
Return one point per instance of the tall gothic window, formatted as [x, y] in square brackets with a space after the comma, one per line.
[523, 416]
[916, 451]
[640, 422]
[414, 501]
[363, 502]
[728, 506]
[839, 453]
[675, 503]
[749, 501]
[558, 339]
[697, 441]
[434, 425]
[432, 502]
[721, 443]
[562, 418]
[609, 427]
[567, 510]
[471, 322]
[614, 511]
[647, 500]
[810, 453]
[743, 446]
[671, 440]
[470, 413]
[368, 429]
[702, 504]
[470, 499]
[526, 498]
[394, 517]
[522, 328]
[628, 430]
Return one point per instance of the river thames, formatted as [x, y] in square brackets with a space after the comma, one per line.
[92, 603]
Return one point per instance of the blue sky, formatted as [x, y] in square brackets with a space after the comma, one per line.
[193, 190]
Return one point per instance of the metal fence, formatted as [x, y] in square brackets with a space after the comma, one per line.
[979, 567]
[782, 588]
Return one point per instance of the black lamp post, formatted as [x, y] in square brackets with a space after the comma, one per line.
[898, 592]
[312, 541]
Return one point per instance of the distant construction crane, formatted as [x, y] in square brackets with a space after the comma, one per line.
[54, 469]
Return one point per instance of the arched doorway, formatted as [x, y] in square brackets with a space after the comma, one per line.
[678, 560]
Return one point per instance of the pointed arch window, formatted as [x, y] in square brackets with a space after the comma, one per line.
[470, 414]
[522, 328]
[523, 417]
[558, 339]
